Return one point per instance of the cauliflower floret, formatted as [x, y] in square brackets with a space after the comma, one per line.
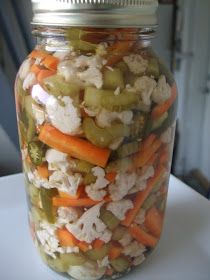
[162, 92]
[138, 260]
[89, 226]
[145, 87]
[92, 76]
[95, 191]
[29, 81]
[134, 249]
[38, 181]
[123, 183]
[25, 68]
[68, 70]
[167, 136]
[136, 63]
[140, 217]
[62, 54]
[56, 160]
[87, 271]
[39, 114]
[141, 181]
[67, 215]
[120, 208]
[105, 118]
[65, 117]
[126, 239]
[104, 262]
[66, 182]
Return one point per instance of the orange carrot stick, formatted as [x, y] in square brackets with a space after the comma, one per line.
[43, 171]
[68, 202]
[154, 222]
[111, 176]
[78, 194]
[35, 68]
[97, 244]
[66, 238]
[50, 62]
[74, 146]
[84, 246]
[153, 159]
[38, 54]
[148, 141]
[115, 252]
[142, 196]
[142, 237]
[44, 74]
[159, 110]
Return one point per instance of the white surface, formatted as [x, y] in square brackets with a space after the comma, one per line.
[183, 252]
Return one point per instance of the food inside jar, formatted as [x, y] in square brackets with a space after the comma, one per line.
[96, 123]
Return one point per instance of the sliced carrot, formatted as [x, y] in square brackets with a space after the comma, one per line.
[78, 194]
[66, 238]
[154, 222]
[115, 252]
[50, 62]
[159, 110]
[97, 244]
[111, 176]
[68, 202]
[148, 141]
[44, 74]
[43, 171]
[142, 237]
[35, 68]
[76, 147]
[84, 246]
[153, 159]
[38, 54]
[142, 196]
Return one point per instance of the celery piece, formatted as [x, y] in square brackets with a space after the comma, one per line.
[149, 202]
[72, 259]
[83, 46]
[57, 86]
[130, 78]
[123, 67]
[109, 219]
[98, 253]
[153, 68]
[46, 196]
[81, 166]
[113, 79]
[118, 233]
[121, 165]
[158, 123]
[89, 179]
[93, 96]
[127, 149]
[120, 264]
[31, 129]
[28, 105]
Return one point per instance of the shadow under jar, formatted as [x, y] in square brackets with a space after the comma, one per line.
[96, 113]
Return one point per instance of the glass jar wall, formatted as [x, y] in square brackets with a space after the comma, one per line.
[96, 112]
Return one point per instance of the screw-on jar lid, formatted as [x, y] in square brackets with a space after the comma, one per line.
[97, 13]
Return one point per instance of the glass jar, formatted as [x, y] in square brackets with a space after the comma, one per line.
[96, 113]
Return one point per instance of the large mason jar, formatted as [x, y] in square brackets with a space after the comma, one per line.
[96, 111]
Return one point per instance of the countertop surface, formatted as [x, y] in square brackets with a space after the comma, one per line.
[183, 252]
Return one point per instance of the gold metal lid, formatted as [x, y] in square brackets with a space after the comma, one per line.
[96, 13]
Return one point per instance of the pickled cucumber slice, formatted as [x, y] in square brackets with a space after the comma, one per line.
[120, 264]
[113, 79]
[109, 219]
[57, 86]
[103, 137]
[121, 165]
[46, 196]
[89, 179]
[36, 152]
[118, 233]
[149, 202]
[127, 149]
[97, 254]
[153, 68]
[96, 98]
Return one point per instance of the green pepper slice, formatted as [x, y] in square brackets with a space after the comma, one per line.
[36, 152]
[46, 196]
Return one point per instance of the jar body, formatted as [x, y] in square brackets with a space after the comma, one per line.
[96, 113]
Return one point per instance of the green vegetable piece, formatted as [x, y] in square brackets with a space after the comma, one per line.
[89, 179]
[109, 219]
[31, 129]
[28, 106]
[158, 185]
[149, 202]
[95, 98]
[113, 79]
[38, 215]
[118, 233]
[121, 165]
[127, 149]
[72, 259]
[81, 166]
[36, 152]
[123, 67]
[80, 45]
[103, 137]
[33, 193]
[139, 125]
[120, 264]
[46, 196]
[158, 123]
[21, 93]
[75, 33]
[130, 78]
[97, 254]
[153, 68]
[57, 86]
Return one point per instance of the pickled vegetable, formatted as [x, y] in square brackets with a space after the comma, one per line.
[127, 149]
[97, 254]
[81, 166]
[89, 178]
[149, 202]
[139, 125]
[153, 68]
[159, 122]
[46, 200]
[120, 264]
[113, 79]
[109, 219]
[123, 165]
[118, 233]
[36, 152]
[33, 194]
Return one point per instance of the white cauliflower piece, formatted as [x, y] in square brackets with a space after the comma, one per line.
[39, 114]
[136, 63]
[87, 271]
[120, 208]
[62, 54]
[105, 118]
[126, 239]
[104, 262]
[56, 160]
[68, 70]
[95, 191]
[145, 87]
[102, 49]
[92, 76]
[138, 260]
[29, 81]
[167, 136]
[65, 182]
[67, 215]
[38, 181]
[89, 226]
[162, 92]
[134, 249]
[25, 68]
[140, 217]
[123, 184]
[65, 117]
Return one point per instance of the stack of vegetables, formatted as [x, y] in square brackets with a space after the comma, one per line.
[96, 123]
